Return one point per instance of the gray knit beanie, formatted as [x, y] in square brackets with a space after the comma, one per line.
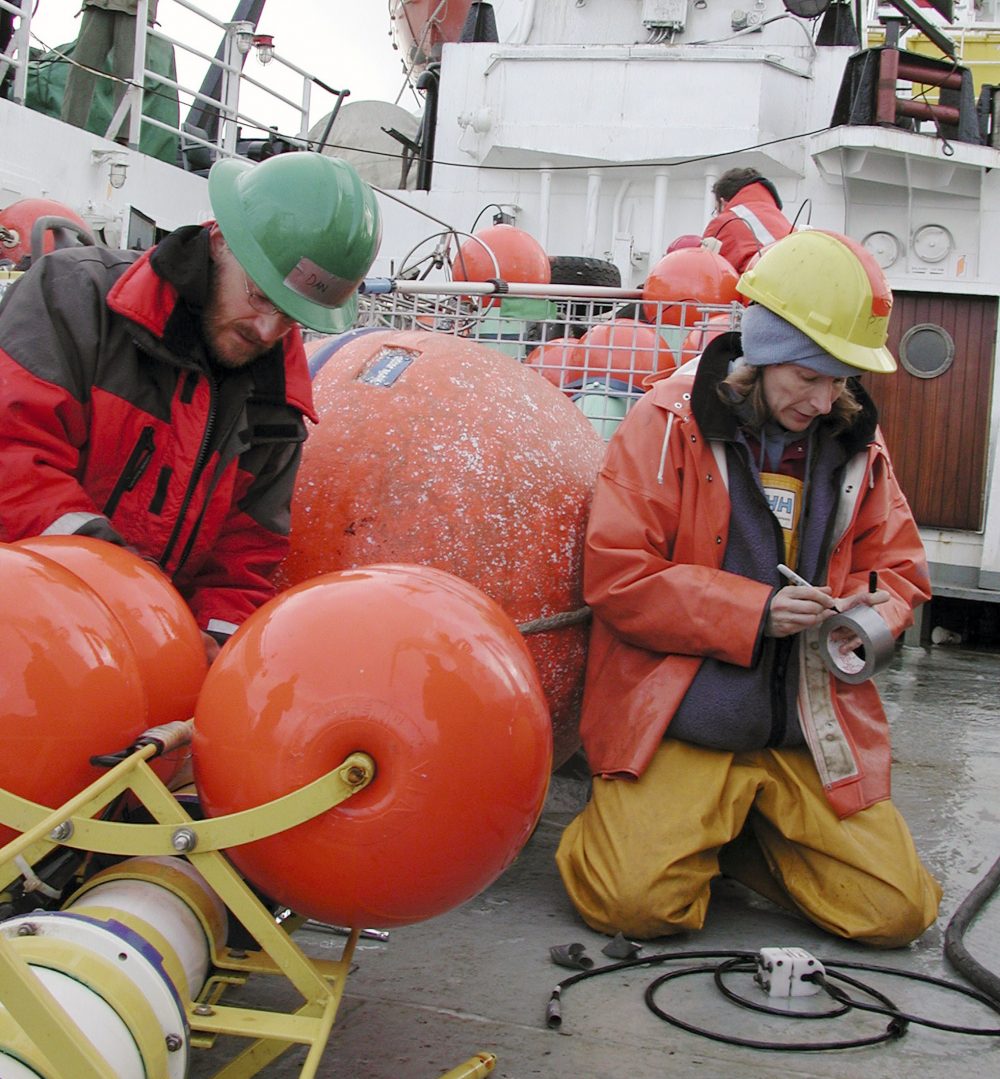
[769, 339]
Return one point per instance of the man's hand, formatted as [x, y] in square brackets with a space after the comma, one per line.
[799, 607]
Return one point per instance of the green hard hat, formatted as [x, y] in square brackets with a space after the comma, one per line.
[304, 227]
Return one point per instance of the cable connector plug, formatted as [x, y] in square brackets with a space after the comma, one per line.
[788, 972]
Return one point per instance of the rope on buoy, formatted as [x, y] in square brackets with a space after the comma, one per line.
[555, 621]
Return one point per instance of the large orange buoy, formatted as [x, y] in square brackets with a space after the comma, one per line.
[17, 222]
[684, 280]
[429, 677]
[503, 252]
[72, 686]
[441, 451]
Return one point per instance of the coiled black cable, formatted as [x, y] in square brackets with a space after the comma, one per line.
[731, 961]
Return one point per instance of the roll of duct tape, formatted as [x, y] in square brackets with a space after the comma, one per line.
[871, 657]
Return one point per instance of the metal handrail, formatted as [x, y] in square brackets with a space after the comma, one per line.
[232, 121]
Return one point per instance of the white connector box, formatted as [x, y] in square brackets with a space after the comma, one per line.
[788, 972]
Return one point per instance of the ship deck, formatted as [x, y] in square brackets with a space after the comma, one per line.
[478, 978]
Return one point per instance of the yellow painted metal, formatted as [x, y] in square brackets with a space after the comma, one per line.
[321, 988]
[35, 822]
[320, 982]
[111, 837]
[57, 1040]
[474, 1068]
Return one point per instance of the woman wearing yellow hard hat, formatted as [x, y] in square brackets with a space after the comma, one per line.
[722, 740]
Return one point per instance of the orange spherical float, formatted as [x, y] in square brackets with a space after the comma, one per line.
[18, 220]
[685, 280]
[503, 252]
[154, 617]
[687, 239]
[622, 353]
[551, 359]
[428, 676]
[702, 334]
[158, 623]
[441, 451]
[72, 683]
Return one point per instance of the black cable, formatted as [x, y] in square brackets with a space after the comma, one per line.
[954, 946]
[895, 1029]
[746, 962]
[553, 1014]
[482, 211]
[973, 994]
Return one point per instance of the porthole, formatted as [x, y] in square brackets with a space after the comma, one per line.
[926, 350]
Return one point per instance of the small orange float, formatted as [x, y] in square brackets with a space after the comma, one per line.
[503, 252]
[72, 682]
[684, 280]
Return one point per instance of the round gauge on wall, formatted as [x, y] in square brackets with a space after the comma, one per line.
[932, 243]
[883, 246]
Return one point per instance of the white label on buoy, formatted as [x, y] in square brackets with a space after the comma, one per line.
[386, 366]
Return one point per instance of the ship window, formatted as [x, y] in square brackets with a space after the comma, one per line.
[926, 350]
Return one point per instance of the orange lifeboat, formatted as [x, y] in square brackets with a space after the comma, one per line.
[421, 27]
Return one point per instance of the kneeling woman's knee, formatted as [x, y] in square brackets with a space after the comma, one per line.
[900, 918]
[629, 905]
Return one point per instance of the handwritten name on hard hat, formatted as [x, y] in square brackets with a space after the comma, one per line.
[310, 280]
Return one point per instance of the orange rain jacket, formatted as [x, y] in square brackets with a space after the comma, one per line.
[655, 544]
[750, 220]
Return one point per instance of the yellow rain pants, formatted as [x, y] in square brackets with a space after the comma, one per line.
[641, 855]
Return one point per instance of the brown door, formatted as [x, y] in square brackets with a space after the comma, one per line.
[936, 421]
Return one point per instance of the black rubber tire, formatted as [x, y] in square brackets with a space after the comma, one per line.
[575, 270]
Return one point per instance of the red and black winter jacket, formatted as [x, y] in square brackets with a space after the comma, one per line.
[115, 423]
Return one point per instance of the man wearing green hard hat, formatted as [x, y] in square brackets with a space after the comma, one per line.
[158, 400]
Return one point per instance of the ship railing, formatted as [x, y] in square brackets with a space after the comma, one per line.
[224, 137]
[17, 53]
[603, 347]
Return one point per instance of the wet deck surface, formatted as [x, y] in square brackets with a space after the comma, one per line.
[479, 977]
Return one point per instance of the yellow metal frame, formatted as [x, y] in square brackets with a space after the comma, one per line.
[53, 1033]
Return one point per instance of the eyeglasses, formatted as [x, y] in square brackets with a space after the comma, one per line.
[260, 303]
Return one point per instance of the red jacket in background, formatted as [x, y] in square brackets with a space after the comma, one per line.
[750, 220]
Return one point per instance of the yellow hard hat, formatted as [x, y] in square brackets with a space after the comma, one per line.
[832, 289]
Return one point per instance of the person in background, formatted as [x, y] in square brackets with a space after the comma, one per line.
[106, 42]
[718, 740]
[747, 216]
[158, 400]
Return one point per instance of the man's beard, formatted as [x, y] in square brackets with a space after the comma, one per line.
[215, 333]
